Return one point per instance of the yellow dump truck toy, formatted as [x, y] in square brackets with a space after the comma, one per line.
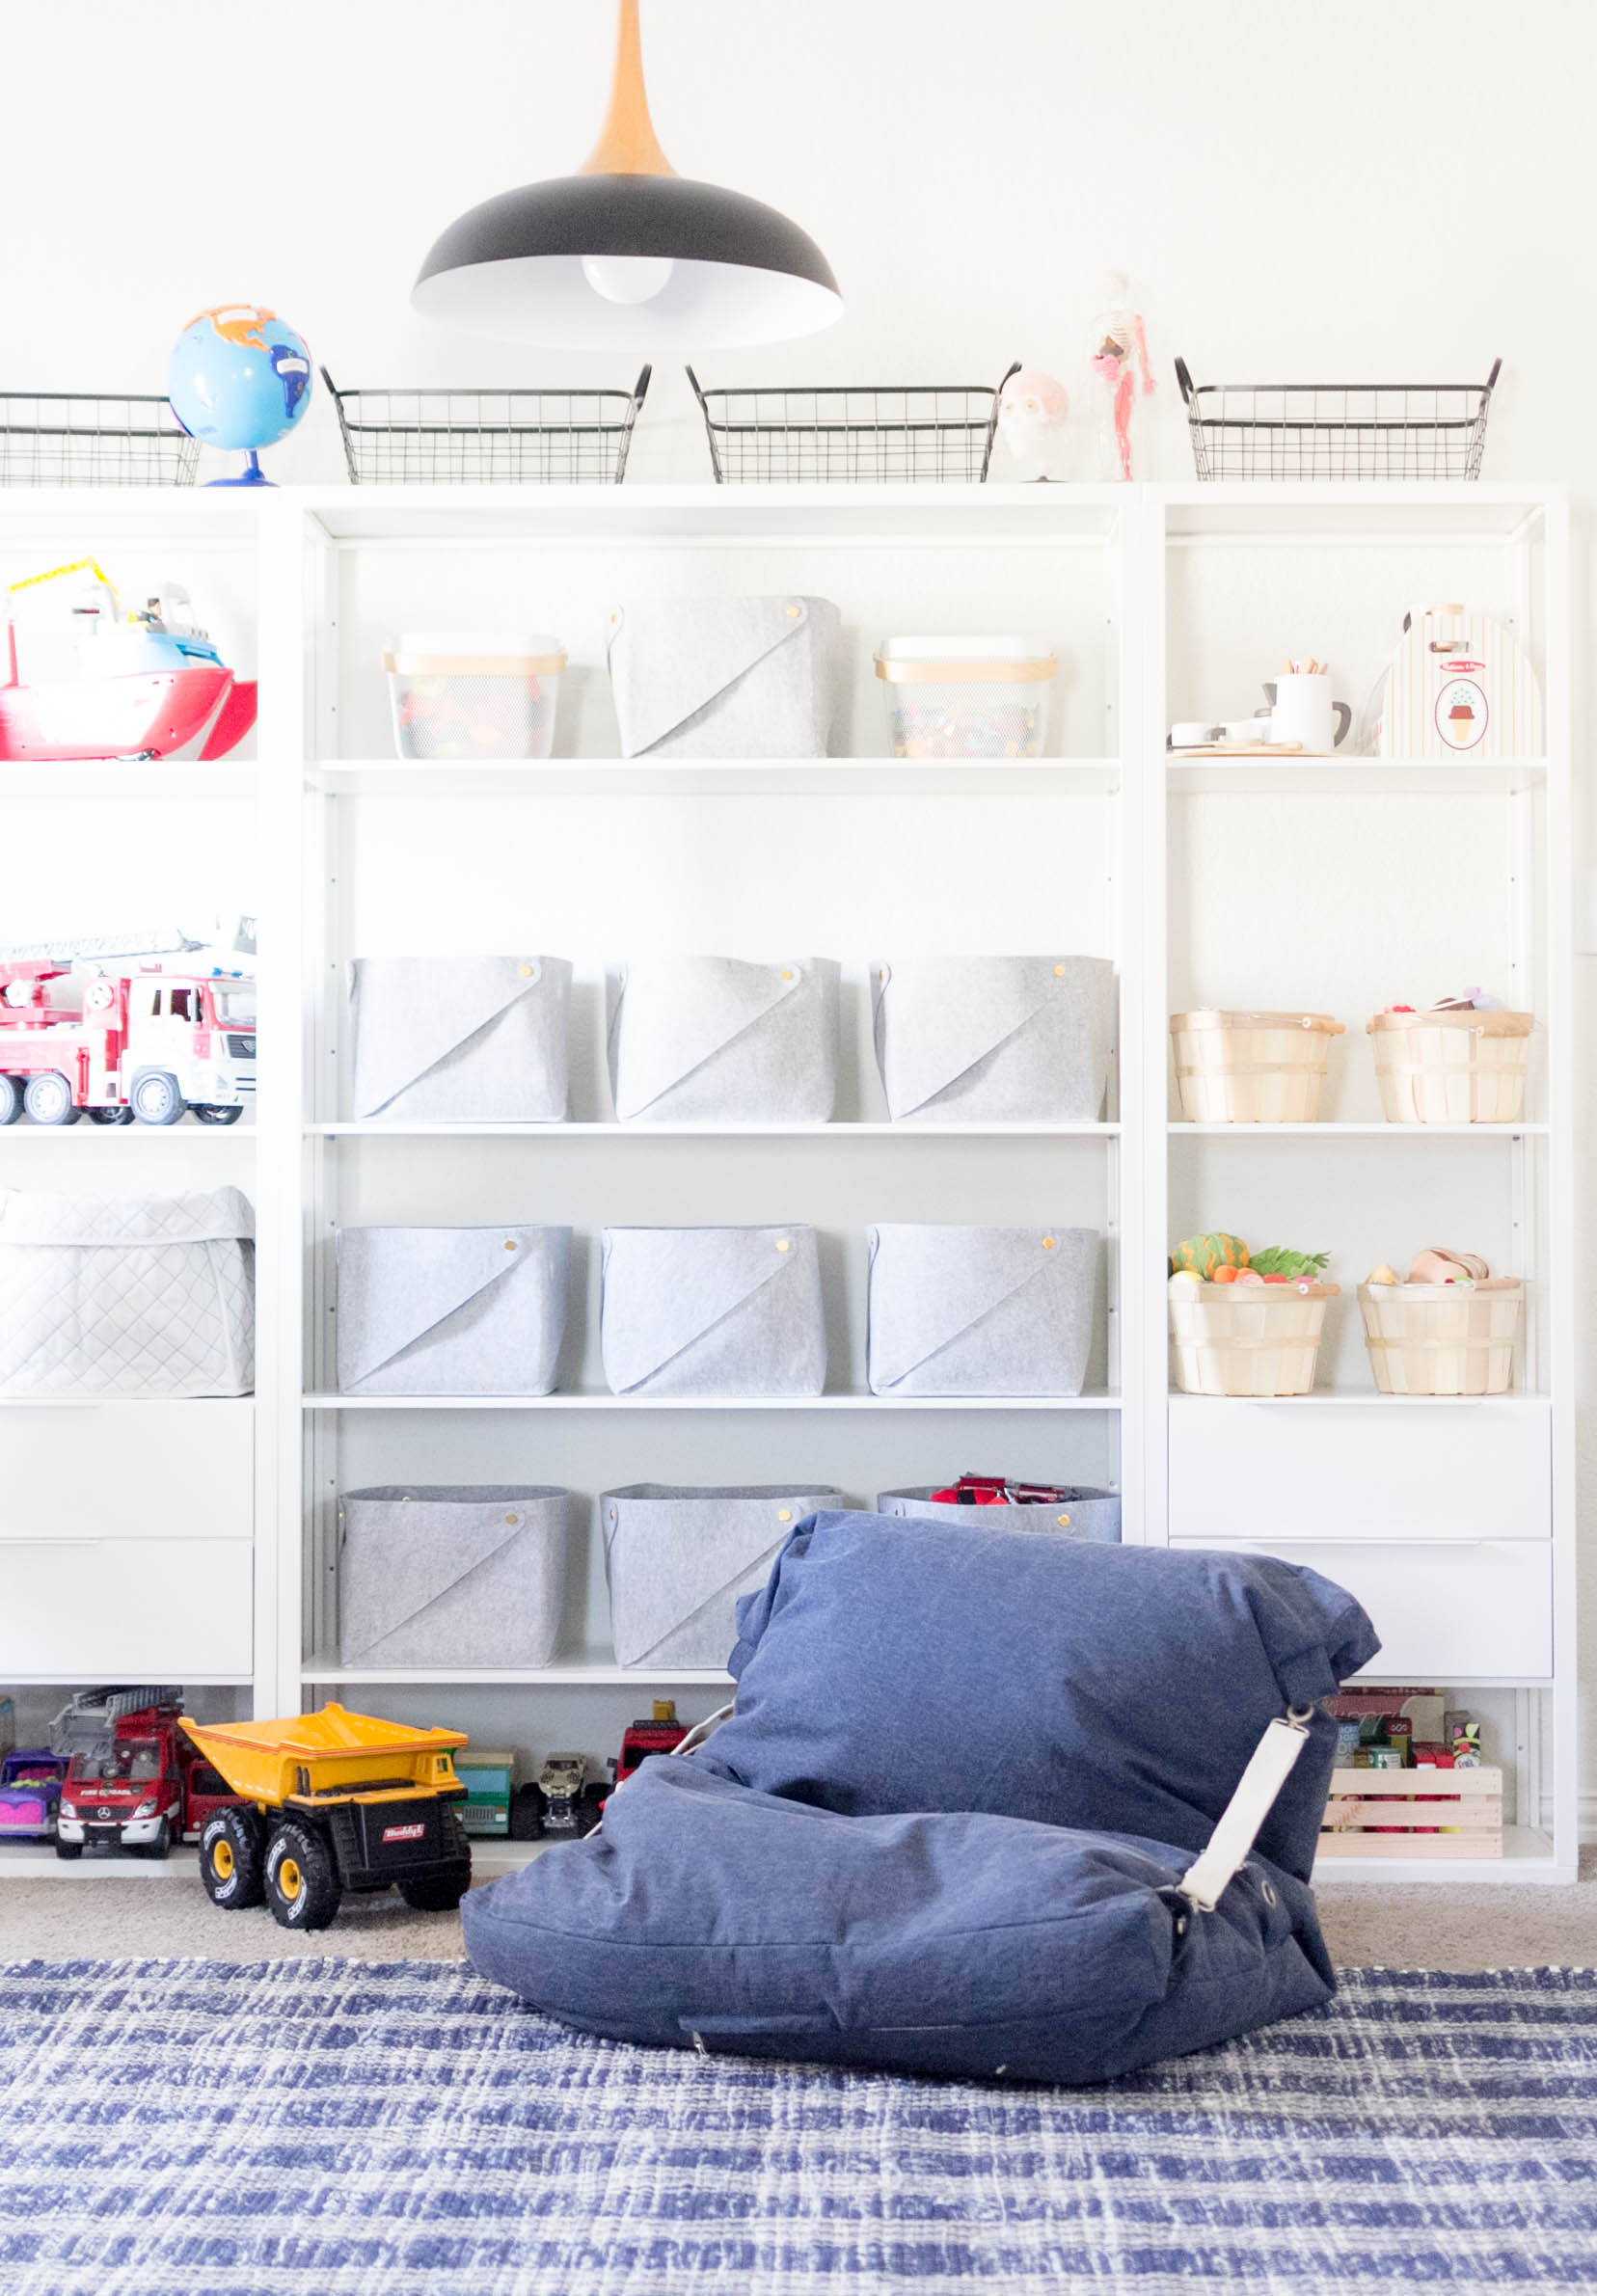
[333, 1801]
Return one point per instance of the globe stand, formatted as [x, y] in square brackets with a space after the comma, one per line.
[252, 474]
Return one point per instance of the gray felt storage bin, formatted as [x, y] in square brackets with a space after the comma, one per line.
[725, 677]
[127, 1295]
[451, 1311]
[715, 1040]
[713, 1311]
[434, 1577]
[462, 1038]
[678, 1558]
[994, 1039]
[980, 1310]
[1081, 1513]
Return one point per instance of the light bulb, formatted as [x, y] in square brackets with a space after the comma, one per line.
[628, 278]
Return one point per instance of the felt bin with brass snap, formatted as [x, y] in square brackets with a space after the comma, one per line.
[679, 1557]
[451, 1311]
[713, 1311]
[993, 1039]
[1079, 1512]
[717, 1040]
[438, 1575]
[470, 1040]
[980, 1310]
[725, 677]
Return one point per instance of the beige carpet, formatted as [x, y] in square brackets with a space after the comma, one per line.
[1428, 1927]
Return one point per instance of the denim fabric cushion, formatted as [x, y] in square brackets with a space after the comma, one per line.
[893, 1664]
[705, 1914]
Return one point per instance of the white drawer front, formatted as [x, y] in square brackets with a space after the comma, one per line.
[1444, 1612]
[124, 1609]
[1376, 1471]
[128, 1470]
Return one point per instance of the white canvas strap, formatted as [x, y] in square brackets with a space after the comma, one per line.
[1205, 1880]
[706, 1729]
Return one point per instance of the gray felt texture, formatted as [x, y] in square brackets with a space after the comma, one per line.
[713, 1311]
[435, 1577]
[470, 1039]
[679, 1556]
[715, 1040]
[127, 1295]
[451, 1311]
[725, 677]
[980, 1310]
[1081, 1513]
[994, 1039]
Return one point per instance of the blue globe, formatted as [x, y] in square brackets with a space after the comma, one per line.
[239, 377]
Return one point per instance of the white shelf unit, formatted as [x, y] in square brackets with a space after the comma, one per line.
[1217, 881]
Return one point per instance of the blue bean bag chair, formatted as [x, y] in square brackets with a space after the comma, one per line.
[988, 1804]
[705, 1915]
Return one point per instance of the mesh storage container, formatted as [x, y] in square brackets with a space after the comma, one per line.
[1076, 1513]
[1455, 1067]
[1442, 1338]
[966, 696]
[1252, 1339]
[1252, 1068]
[678, 1557]
[431, 1576]
[463, 695]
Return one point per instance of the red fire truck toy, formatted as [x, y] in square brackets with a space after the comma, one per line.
[137, 1024]
[134, 1781]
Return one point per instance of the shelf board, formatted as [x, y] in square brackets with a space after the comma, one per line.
[587, 1669]
[185, 1130]
[685, 1131]
[1338, 777]
[965, 512]
[1528, 1855]
[110, 777]
[718, 778]
[1179, 1128]
[37, 1861]
[1351, 510]
[947, 1404]
[1329, 1399]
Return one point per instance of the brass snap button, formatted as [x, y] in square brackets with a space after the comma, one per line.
[787, 975]
[510, 1243]
[526, 972]
[784, 1514]
[1047, 1243]
[1059, 972]
[512, 1518]
[1063, 1522]
[793, 613]
[782, 1244]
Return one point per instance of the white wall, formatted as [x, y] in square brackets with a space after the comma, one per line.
[1375, 190]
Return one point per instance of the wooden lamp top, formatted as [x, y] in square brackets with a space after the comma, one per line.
[628, 144]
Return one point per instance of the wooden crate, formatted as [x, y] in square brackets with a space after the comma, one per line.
[1365, 1803]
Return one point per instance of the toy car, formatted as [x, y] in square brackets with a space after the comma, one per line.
[564, 1804]
[660, 1734]
[333, 1801]
[30, 1788]
[134, 1781]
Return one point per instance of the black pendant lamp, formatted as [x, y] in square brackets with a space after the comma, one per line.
[626, 255]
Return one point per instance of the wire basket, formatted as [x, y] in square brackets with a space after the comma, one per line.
[1338, 430]
[487, 438]
[63, 437]
[842, 433]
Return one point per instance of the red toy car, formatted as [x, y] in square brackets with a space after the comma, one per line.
[134, 1780]
[660, 1734]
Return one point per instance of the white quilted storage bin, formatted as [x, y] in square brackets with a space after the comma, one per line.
[127, 1295]
[432, 1575]
[678, 1557]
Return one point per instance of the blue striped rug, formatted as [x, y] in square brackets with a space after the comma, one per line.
[331, 2127]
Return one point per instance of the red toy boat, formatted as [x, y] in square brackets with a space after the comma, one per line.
[151, 685]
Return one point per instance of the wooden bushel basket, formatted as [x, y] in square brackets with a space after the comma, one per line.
[1462, 1068]
[1252, 1068]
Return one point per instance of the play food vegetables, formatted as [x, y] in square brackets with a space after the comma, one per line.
[1222, 1258]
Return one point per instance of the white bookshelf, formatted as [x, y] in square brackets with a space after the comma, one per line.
[1344, 883]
